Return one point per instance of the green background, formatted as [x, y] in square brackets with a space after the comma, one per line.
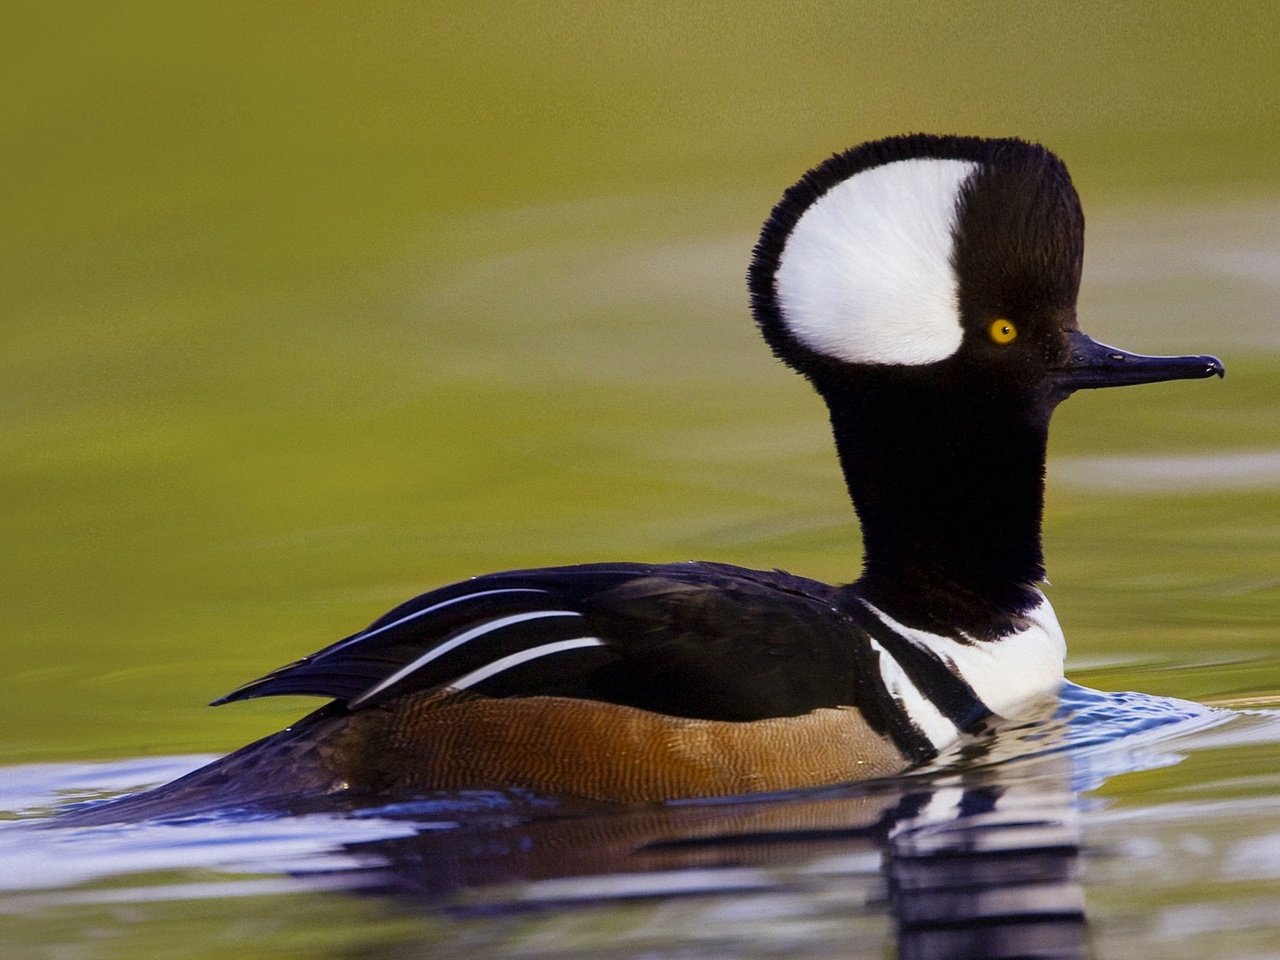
[310, 307]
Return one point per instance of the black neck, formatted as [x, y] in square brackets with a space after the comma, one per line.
[949, 490]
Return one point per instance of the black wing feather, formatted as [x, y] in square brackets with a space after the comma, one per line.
[701, 640]
[351, 667]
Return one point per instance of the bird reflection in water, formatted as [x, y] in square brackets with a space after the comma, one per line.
[976, 861]
[977, 855]
[989, 870]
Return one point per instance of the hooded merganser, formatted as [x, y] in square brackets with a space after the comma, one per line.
[926, 286]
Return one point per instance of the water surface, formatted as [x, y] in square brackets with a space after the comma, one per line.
[1011, 846]
[308, 310]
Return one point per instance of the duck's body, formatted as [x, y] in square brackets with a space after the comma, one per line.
[926, 286]
[645, 682]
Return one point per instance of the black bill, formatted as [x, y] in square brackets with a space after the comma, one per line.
[1092, 364]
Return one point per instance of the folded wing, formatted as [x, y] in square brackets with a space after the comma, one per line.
[693, 639]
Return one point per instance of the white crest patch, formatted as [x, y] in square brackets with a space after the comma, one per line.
[866, 273]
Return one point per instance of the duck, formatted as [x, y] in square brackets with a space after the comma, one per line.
[926, 287]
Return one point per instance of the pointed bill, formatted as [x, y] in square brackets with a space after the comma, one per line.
[1091, 364]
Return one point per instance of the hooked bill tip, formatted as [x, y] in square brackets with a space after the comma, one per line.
[1093, 364]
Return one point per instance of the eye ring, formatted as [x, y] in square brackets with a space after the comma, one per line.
[1002, 331]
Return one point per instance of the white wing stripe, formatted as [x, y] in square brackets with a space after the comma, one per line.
[431, 609]
[464, 637]
[920, 710]
[515, 659]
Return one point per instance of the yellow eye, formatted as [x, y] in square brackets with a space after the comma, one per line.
[1002, 331]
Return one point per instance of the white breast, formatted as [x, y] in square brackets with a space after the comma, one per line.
[1008, 675]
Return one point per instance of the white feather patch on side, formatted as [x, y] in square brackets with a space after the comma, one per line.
[922, 711]
[866, 274]
[1009, 674]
